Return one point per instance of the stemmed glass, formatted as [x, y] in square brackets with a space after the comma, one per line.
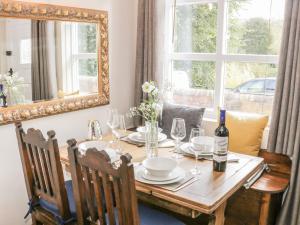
[178, 133]
[195, 133]
[120, 132]
[113, 122]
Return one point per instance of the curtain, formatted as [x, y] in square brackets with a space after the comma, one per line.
[285, 124]
[145, 62]
[40, 82]
[3, 65]
[67, 74]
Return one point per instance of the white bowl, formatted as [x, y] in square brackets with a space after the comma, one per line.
[142, 131]
[203, 143]
[159, 166]
[99, 145]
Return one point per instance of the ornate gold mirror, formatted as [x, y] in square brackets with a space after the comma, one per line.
[53, 59]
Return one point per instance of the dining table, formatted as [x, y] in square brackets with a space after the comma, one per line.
[208, 194]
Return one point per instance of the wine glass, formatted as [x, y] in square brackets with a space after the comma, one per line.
[178, 133]
[113, 121]
[120, 132]
[95, 130]
[195, 133]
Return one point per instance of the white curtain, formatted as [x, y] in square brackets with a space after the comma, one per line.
[3, 65]
[66, 66]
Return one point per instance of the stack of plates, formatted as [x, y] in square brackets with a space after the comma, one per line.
[138, 137]
[142, 175]
[187, 148]
[99, 145]
[159, 170]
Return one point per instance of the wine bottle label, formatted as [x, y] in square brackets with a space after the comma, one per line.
[220, 158]
[221, 144]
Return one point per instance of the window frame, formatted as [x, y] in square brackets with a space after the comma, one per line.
[220, 57]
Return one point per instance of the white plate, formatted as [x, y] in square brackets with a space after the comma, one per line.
[187, 148]
[99, 145]
[203, 142]
[159, 166]
[139, 171]
[137, 137]
[173, 175]
[142, 130]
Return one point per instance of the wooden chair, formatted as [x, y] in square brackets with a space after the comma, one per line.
[49, 195]
[107, 191]
[261, 204]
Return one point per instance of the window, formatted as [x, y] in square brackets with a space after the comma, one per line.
[79, 66]
[86, 56]
[25, 51]
[224, 53]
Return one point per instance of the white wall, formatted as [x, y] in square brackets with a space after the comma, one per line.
[122, 16]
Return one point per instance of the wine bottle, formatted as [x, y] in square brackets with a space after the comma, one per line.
[1, 95]
[3, 102]
[221, 144]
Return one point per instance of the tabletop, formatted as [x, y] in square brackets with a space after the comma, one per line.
[206, 194]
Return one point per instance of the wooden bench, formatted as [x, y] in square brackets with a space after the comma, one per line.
[261, 203]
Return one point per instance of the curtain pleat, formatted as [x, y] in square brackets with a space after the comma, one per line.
[145, 52]
[39, 66]
[285, 124]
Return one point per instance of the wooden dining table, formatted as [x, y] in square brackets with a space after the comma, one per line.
[208, 194]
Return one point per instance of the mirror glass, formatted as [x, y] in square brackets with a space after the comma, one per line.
[43, 60]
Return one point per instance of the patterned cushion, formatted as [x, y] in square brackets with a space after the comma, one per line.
[192, 116]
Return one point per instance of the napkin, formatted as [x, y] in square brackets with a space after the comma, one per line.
[173, 186]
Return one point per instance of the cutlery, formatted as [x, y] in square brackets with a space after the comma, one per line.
[255, 176]
[132, 142]
[193, 180]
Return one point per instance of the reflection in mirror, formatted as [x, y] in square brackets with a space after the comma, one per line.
[42, 60]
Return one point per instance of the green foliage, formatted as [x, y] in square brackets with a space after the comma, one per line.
[256, 38]
[88, 67]
[87, 35]
[196, 28]
[196, 31]
[202, 74]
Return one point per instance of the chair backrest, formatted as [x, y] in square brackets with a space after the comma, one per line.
[104, 192]
[42, 168]
[279, 164]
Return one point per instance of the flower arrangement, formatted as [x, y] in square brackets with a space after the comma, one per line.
[12, 85]
[150, 108]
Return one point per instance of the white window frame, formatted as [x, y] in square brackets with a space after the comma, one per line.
[220, 57]
[71, 56]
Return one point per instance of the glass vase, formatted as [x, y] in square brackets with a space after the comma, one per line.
[151, 138]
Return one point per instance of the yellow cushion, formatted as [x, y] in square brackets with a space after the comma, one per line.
[245, 132]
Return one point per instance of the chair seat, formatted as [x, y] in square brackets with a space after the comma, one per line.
[53, 208]
[149, 216]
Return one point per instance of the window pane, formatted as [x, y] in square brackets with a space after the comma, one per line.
[196, 28]
[193, 83]
[255, 26]
[88, 67]
[88, 75]
[250, 87]
[87, 36]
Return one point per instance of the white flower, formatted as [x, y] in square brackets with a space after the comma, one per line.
[155, 91]
[147, 87]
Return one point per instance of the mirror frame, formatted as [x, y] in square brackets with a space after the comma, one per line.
[28, 10]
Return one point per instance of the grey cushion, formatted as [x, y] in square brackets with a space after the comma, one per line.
[192, 116]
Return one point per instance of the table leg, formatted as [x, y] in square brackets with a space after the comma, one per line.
[219, 218]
